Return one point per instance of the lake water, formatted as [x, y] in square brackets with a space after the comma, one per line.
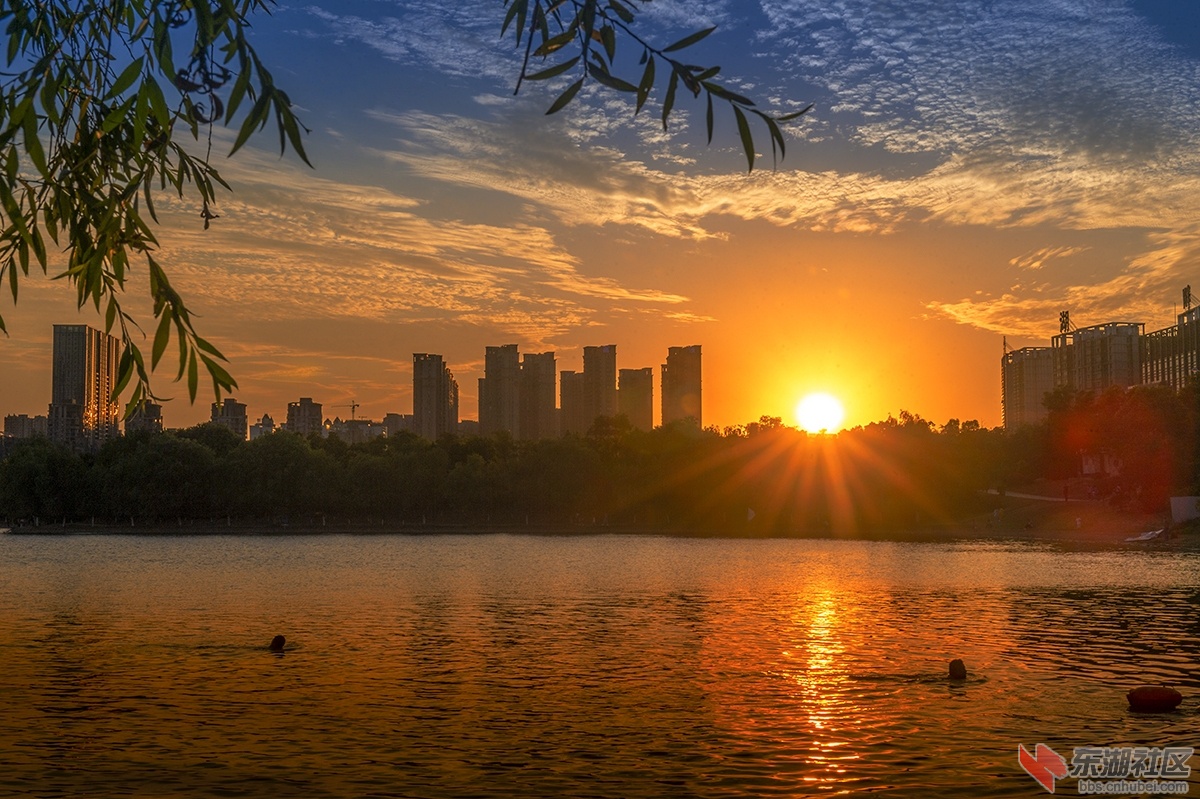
[576, 666]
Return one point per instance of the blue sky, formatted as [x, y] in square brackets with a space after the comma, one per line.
[968, 171]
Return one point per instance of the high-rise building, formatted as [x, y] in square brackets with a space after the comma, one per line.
[1095, 358]
[635, 397]
[396, 423]
[599, 382]
[83, 413]
[232, 414]
[572, 414]
[1098, 357]
[21, 426]
[680, 385]
[435, 397]
[304, 417]
[1026, 376]
[146, 417]
[538, 394]
[1171, 356]
[499, 391]
[263, 427]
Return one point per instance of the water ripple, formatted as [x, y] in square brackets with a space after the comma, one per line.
[493, 666]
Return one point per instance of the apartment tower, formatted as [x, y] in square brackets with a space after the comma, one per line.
[500, 391]
[83, 414]
[599, 382]
[304, 417]
[635, 396]
[680, 385]
[232, 414]
[1026, 376]
[435, 397]
[539, 418]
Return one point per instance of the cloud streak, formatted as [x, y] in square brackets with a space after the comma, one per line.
[291, 245]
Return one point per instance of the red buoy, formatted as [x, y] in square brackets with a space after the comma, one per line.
[1154, 699]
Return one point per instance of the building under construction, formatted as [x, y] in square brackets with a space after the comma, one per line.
[1171, 356]
[1026, 377]
[1099, 357]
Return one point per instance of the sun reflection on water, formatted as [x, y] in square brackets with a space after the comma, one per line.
[597, 666]
[823, 683]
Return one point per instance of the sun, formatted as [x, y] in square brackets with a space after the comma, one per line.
[820, 412]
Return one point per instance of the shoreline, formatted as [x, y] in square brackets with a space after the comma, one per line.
[964, 531]
[1020, 517]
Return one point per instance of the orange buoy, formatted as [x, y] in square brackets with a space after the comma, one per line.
[1154, 699]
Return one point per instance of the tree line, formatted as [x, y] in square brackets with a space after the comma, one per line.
[759, 478]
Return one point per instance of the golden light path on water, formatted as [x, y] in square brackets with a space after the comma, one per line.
[595, 665]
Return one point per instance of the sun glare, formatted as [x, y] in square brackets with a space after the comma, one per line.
[820, 412]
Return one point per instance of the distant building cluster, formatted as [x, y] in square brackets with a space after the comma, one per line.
[21, 426]
[1096, 358]
[520, 394]
[517, 393]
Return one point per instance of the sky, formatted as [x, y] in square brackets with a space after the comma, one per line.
[968, 170]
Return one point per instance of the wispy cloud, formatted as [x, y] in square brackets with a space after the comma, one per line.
[1039, 258]
[292, 245]
[1133, 293]
[926, 76]
[460, 39]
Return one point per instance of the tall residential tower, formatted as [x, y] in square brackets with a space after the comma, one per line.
[635, 397]
[599, 382]
[83, 414]
[539, 416]
[435, 397]
[500, 391]
[680, 385]
[304, 417]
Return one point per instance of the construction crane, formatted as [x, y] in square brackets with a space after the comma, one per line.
[353, 406]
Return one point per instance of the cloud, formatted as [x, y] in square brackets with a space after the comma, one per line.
[690, 16]
[1133, 294]
[459, 39]
[989, 113]
[1038, 258]
[926, 76]
[599, 186]
[579, 185]
[1155, 204]
[292, 245]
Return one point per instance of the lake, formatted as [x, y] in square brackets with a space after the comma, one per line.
[603, 666]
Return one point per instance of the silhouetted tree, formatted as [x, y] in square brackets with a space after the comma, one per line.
[45, 480]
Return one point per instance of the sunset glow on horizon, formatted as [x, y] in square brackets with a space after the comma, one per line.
[930, 208]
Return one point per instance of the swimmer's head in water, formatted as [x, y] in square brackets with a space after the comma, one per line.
[277, 643]
[958, 670]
